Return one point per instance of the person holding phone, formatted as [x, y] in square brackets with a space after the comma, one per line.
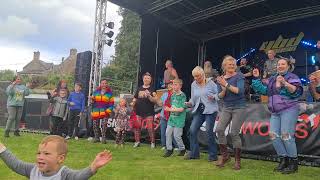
[283, 89]
[145, 98]
[16, 93]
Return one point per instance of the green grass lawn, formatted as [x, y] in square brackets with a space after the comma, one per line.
[145, 163]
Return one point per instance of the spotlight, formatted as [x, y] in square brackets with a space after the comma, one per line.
[109, 42]
[308, 44]
[109, 34]
[313, 60]
[110, 25]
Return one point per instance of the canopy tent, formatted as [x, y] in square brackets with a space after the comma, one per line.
[210, 19]
[191, 31]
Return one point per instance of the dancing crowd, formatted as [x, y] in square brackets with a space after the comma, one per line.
[212, 95]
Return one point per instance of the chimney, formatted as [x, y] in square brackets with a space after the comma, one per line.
[73, 52]
[36, 56]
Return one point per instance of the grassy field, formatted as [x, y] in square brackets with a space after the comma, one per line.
[145, 163]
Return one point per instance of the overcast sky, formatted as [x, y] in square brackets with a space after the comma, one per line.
[52, 27]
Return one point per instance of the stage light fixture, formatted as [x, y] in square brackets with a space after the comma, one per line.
[313, 60]
[109, 34]
[246, 54]
[110, 25]
[308, 44]
[109, 42]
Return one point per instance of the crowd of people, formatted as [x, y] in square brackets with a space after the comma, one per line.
[211, 93]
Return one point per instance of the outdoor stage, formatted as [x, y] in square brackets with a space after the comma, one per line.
[191, 31]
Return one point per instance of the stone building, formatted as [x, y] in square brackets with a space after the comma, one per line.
[67, 65]
[37, 66]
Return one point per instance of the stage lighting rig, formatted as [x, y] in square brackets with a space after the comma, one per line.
[109, 34]
[308, 44]
[109, 25]
[109, 42]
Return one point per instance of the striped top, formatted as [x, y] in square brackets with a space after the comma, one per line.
[102, 104]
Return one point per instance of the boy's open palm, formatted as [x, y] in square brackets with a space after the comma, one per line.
[101, 159]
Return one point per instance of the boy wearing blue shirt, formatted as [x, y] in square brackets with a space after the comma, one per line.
[76, 102]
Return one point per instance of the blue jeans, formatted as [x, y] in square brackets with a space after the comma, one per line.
[196, 123]
[163, 128]
[282, 130]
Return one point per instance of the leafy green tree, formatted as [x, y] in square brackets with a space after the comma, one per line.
[6, 75]
[124, 64]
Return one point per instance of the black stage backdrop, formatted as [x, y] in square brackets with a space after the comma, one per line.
[159, 41]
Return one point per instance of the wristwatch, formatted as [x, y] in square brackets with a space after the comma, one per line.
[227, 85]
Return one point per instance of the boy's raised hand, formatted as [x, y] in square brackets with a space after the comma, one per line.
[101, 159]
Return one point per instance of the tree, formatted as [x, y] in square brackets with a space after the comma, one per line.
[6, 75]
[124, 64]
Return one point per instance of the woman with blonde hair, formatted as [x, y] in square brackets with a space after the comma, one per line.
[231, 92]
[204, 95]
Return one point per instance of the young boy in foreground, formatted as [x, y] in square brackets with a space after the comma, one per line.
[176, 120]
[51, 154]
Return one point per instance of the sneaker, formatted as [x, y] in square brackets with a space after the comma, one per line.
[90, 139]
[68, 137]
[136, 144]
[16, 133]
[182, 152]
[153, 145]
[76, 138]
[163, 148]
[168, 153]
[176, 149]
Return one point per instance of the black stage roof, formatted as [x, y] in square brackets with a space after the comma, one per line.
[210, 19]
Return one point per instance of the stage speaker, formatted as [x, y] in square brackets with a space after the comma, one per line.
[82, 72]
[34, 114]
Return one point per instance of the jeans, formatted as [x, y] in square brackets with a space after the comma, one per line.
[177, 134]
[15, 113]
[73, 123]
[235, 116]
[163, 128]
[56, 125]
[197, 121]
[282, 130]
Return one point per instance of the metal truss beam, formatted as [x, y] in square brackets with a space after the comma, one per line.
[263, 21]
[98, 45]
[215, 10]
[160, 4]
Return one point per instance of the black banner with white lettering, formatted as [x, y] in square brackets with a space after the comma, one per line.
[255, 131]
